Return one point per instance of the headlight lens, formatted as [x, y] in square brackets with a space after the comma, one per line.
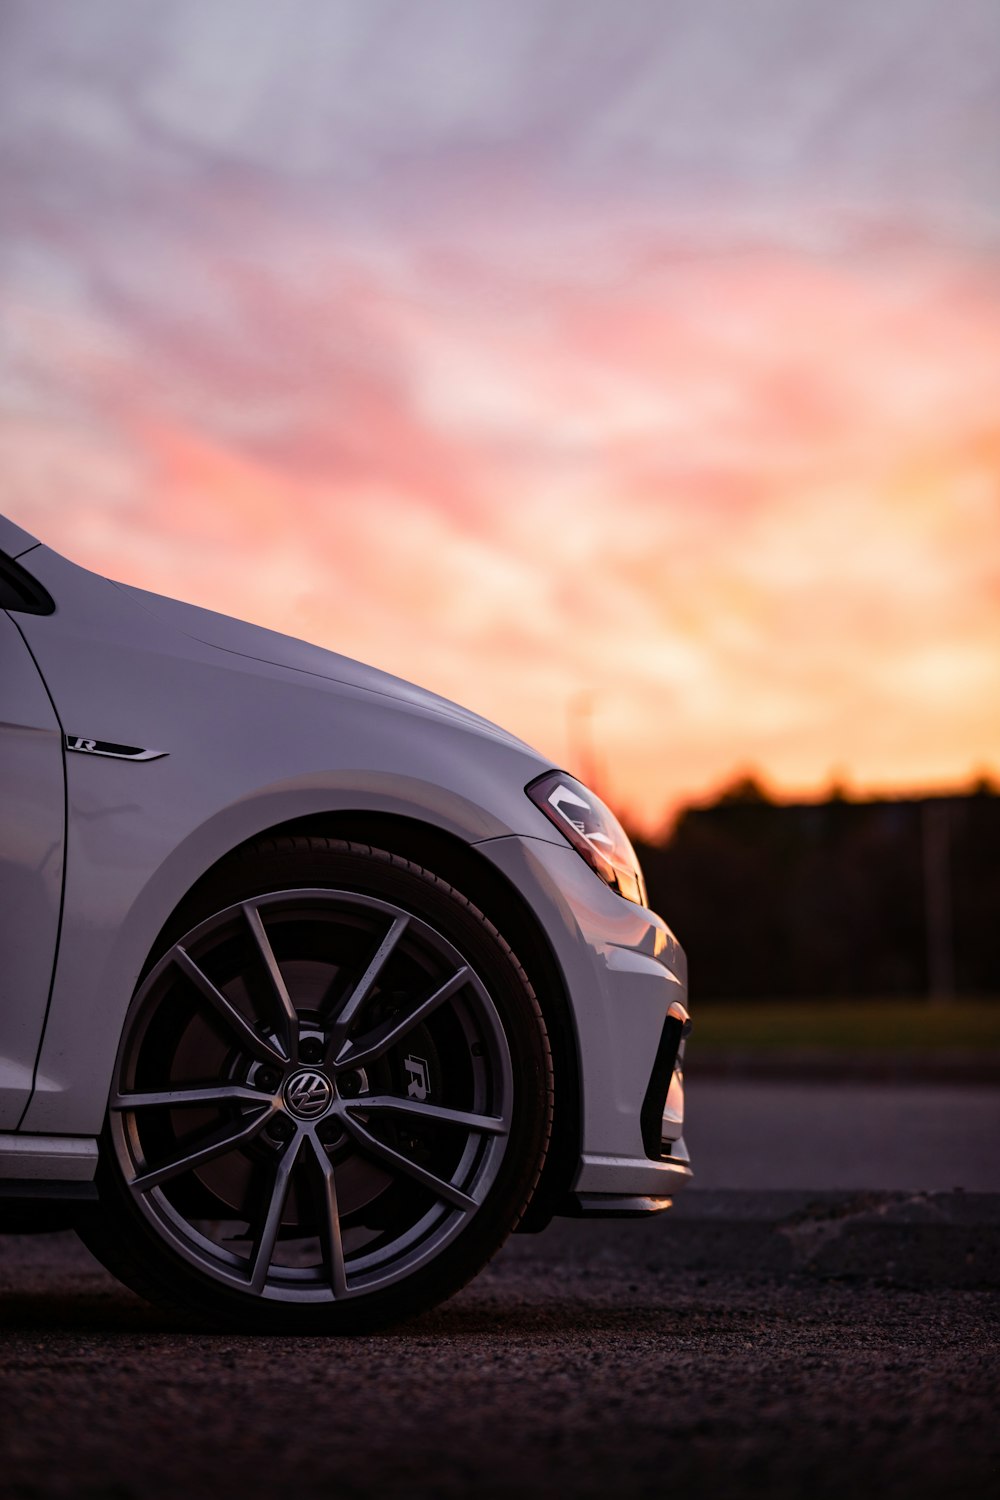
[592, 829]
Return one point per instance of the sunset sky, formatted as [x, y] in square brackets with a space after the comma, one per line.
[635, 365]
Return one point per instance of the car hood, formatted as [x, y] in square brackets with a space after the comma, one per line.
[253, 641]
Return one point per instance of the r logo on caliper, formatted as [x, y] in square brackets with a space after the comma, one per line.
[416, 1069]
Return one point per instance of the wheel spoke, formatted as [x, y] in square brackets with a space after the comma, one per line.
[331, 1236]
[209, 1113]
[380, 1041]
[263, 1248]
[258, 1045]
[364, 987]
[438, 1185]
[216, 1093]
[285, 1013]
[390, 1104]
[216, 1145]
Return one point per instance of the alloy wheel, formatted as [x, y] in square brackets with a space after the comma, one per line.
[313, 1095]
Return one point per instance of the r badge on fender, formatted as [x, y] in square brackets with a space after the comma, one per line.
[115, 752]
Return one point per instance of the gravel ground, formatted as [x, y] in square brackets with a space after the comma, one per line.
[593, 1360]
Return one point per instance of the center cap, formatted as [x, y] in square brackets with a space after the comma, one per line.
[307, 1094]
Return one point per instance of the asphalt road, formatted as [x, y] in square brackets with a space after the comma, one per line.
[843, 1136]
[820, 1347]
[769, 1338]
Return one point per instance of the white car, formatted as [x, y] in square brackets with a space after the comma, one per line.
[315, 985]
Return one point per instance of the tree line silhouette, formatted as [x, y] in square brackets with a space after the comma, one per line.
[887, 897]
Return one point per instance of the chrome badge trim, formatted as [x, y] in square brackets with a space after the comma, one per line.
[107, 747]
[308, 1094]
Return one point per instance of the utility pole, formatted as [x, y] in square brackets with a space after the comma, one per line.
[936, 837]
[579, 717]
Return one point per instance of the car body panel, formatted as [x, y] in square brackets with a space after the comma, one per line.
[48, 1159]
[253, 641]
[623, 967]
[31, 864]
[252, 731]
[141, 834]
[14, 540]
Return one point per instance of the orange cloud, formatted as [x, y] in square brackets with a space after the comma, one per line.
[751, 504]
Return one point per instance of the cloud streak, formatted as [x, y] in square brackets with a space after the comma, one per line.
[526, 380]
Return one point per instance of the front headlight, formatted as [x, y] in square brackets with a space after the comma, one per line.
[592, 829]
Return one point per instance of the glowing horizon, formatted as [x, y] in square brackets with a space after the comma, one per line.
[714, 471]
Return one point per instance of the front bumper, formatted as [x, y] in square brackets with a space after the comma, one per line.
[626, 978]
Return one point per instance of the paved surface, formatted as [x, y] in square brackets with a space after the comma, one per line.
[952, 1065]
[751, 1344]
[912, 1136]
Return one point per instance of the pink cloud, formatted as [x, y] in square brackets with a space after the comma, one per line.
[750, 502]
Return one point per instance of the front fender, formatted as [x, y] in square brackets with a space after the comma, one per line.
[248, 746]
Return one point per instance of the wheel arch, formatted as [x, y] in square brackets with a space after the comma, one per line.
[464, 867]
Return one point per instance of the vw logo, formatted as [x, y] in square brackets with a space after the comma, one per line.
[307, 1094]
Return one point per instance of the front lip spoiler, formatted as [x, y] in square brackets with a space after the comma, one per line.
[614, 1206]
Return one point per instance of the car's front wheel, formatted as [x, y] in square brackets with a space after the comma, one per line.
[332, 1098]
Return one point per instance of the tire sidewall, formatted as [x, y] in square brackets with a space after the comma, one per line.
[126, 1240]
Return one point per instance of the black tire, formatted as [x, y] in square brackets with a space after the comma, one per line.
[458, 1174]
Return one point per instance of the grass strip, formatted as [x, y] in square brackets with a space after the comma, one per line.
[845, 1025]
